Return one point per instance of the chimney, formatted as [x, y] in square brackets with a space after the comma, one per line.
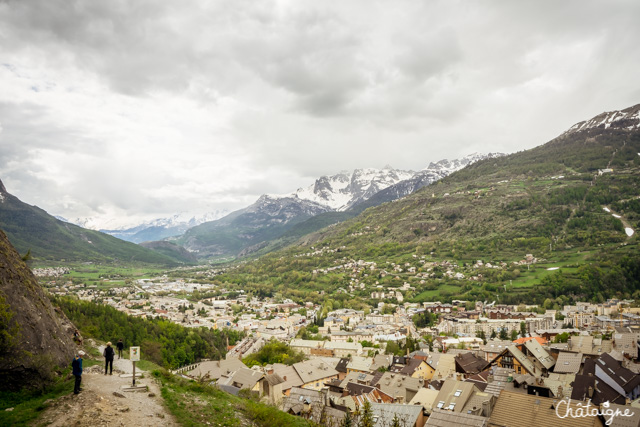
[284, 378]
[486, 408]
[560, 390]
[590, 392]
[490, 378]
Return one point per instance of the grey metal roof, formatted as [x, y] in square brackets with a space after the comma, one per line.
[216, 368]
[536, 349]
[569, 363]
[314, 370]
[383, 413]
[523, 360]
[440, 418]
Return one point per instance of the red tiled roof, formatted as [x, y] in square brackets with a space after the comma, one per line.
[523, 340]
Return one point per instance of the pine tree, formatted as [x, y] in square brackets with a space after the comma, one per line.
[366, 420]
[347, 421]
[503, 334]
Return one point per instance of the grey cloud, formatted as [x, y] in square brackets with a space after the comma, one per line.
[314, 87]
[427, 54]
[27, 127]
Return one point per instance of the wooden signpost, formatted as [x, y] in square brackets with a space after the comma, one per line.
[134, 356]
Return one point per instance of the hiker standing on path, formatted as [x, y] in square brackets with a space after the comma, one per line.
[120, 346]
[76, 366]
[108, 354]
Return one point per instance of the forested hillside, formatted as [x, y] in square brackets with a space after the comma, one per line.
[29, 228]
[571, 203]
[166, 343]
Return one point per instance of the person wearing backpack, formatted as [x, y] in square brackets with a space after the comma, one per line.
[76, 365]
[108, 354]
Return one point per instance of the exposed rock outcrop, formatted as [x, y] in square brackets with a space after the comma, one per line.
[35, 338]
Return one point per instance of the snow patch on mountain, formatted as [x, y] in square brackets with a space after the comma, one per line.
[344, 190]
[341, 191]
[3, 191]
[182, 219]
[627, 119]
[447, 167]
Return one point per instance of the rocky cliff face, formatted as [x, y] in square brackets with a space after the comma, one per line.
[35, 338]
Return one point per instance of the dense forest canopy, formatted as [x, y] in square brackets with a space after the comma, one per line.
[166, 343]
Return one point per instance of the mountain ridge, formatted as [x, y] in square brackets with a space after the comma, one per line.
[151, 230]
[30, 228]
[260, 226]
[628, 118]
[571, 203]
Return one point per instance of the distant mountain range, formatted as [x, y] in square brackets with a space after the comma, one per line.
[609, 140]
[30, 228]
[153, 230]
[328, 200]
[572, 203]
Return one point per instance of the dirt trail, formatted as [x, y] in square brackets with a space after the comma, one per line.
[97, 405]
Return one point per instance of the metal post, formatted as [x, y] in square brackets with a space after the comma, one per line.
[134, 374]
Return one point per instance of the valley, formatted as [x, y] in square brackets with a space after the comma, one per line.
[510, 248]
[319, 214]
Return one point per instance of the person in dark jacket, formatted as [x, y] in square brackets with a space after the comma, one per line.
[76, 366]
[120, 346]
[108, 354]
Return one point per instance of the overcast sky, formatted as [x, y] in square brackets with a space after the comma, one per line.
[141, 109]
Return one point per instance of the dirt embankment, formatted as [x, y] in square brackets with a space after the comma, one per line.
[102, 402]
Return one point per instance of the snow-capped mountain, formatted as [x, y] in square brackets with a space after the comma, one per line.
[285, 208]
[627, 119]
[156, 229]
[341, 191]
[446, 167]
[345, 190]
[186, 219]
[341, 195]
[268, 218]
[432, 173]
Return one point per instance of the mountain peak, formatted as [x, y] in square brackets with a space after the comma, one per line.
[627, 119]
[3, 192]
[344, 189]
[450, 166]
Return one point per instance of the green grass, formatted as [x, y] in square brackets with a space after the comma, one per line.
[430, 294]
[145, 365]
[98, 273]
[193, 403]
[103, 276]
[28, 406]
